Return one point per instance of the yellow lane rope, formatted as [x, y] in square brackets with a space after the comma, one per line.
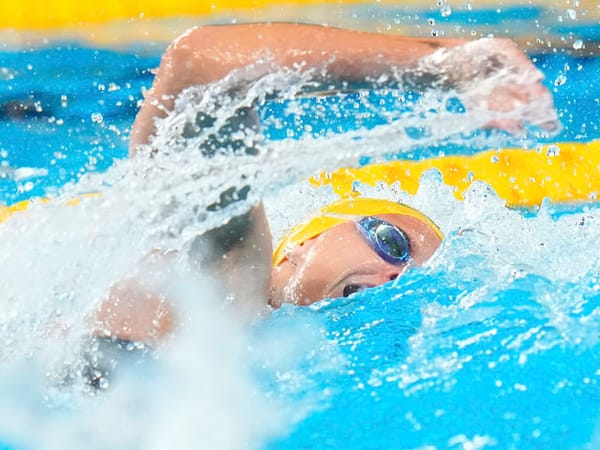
[563, 173]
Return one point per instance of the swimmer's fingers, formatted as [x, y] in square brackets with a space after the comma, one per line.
[530, 104]
[524, 95]
[510, 105]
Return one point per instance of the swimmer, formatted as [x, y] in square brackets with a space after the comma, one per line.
[351, 244]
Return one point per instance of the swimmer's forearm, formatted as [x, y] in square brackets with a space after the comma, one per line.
[214, 51]
[208, 54]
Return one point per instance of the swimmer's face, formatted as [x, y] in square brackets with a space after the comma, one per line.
[340, 262]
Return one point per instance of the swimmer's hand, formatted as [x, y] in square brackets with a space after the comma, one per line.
[497, 81]
[518, 95]
[514, 92]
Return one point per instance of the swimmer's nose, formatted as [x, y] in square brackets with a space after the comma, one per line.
[392, 276]
[385, 276]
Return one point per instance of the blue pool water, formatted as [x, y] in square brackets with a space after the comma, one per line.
[495, 344]
[81, 103]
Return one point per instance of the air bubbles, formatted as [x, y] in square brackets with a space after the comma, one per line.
[572, 14]
[446, 10]
[26, 187]
[578, 44]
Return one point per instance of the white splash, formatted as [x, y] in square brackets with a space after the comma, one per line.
[59, 262]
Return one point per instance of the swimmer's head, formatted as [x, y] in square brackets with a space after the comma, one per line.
[350, 245]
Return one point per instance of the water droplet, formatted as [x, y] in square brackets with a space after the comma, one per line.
[578, 44]
[572, 14]
[97, 118]
[103, 384]
[553, 150]
[431, 21]
[495, 159]
[560, 79]
[446, 10]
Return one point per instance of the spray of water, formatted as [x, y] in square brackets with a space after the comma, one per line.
[199, 388]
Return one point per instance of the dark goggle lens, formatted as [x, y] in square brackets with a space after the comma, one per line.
[391, 241]
[388, 241]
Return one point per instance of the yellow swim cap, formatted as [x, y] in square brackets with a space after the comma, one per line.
[333, 214]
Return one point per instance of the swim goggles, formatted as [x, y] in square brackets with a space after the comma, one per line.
[387, 240]
[345, 210]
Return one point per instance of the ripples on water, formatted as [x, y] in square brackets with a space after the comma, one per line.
[493, 342]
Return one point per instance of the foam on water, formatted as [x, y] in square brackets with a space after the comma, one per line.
[218, 383]
[494, 342]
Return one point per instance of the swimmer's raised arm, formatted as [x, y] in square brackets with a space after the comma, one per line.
[207, 54]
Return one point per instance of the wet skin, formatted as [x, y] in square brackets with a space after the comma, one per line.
[339, 262]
